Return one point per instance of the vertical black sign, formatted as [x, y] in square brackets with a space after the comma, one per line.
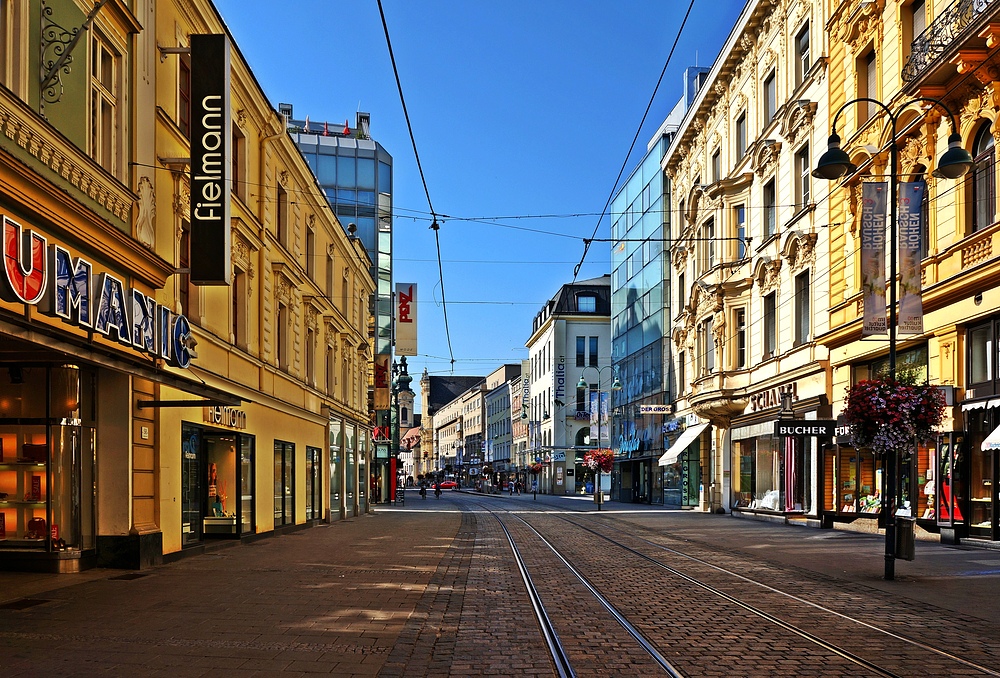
[211, 160]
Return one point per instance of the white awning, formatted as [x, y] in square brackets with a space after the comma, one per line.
[689, 436]
[992, 441]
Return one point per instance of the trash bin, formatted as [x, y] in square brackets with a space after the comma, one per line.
[904, 537]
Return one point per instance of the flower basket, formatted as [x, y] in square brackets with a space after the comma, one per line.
[535, 469]
[886, 415]
[600, 460]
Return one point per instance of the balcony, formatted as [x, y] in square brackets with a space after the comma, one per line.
[958, 27]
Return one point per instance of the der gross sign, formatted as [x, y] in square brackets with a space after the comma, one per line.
[805, 427]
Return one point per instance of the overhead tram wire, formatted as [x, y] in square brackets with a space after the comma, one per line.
[586, 246]
[423, 179]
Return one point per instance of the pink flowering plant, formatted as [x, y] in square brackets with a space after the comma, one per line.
[535, 469]
[888, 414]
[600, 460]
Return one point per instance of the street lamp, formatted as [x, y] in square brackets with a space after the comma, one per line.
[615, 386]
[832, 165]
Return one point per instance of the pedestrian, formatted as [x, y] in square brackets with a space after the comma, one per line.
[517, 487]
[510, 488]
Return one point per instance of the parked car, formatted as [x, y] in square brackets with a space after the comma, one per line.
[448, 485]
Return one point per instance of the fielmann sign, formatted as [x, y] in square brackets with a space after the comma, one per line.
[211, 160]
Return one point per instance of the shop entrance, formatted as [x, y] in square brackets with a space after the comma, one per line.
[217, 481]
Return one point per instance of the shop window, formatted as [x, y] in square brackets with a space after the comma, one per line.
[105, 87]
[284, 483]
[853, 481]
[313, 483]
[983, 180]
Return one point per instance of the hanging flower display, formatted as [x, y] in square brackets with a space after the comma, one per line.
[600, 460]
[535, 469]
[885, 415]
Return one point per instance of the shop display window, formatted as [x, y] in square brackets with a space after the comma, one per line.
[47, 457]
[219, 509]
[312, 483]
[852, 481]
[284, 483]
[336, 471]
[951, 483]
[247, 522]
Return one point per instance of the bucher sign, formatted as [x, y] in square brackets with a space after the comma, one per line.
[805, 427]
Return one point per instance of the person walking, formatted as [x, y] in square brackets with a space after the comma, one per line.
[510, 488]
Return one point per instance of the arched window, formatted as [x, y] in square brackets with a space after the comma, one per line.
[983, 181]
[582, 436]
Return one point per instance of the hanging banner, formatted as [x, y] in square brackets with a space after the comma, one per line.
[382, 381]
[873, 202]
[211, 160]
[406, 319]
[909, 217]
[599, 431]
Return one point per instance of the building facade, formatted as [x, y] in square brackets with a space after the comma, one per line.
[748, 245]
[176, 410]
[570, 340]
[498, 465]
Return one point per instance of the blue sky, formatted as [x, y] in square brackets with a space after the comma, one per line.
[519, 108]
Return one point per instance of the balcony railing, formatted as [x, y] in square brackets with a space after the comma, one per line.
[954, 24]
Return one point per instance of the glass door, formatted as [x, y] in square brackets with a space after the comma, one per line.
[192, 489]
[284, 483]
[247, 523]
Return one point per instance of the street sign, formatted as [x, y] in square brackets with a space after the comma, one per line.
[805, 427]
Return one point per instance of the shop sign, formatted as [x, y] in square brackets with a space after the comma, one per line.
[559, 456]
[628, 445]
[64, 286]
[406, 319]
[561, 378]
[763, 400]
[226, 416]
[211, 160]
[805, 427]
[656, 409]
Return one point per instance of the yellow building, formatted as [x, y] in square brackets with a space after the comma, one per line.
[748, 228]
[141, 414]
[897, 53]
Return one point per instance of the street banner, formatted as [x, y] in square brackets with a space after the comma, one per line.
[382, 381]
[406, 319]
[909, 218]
[873, 202]
[599, 418]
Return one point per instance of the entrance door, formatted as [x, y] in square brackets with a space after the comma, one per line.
[192, 488]
[247, 522]
[982, 494]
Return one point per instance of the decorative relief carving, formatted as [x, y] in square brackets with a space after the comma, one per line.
[797, 121]
[765, 159]
[977, 253]
[802, 251]
[241, 118]
[769, 275]
[145, 220]
[679, 254]
[312, 318]
[283, 177]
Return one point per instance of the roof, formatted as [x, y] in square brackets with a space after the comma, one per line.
[443, 390]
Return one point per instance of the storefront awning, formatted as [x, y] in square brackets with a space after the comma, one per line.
[992, 441]
[689, 436]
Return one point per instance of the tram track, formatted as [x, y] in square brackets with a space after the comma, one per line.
[827, 639]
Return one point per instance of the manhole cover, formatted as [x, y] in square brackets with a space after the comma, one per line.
[22, 604]
[129, 577]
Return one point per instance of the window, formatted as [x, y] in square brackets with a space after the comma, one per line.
[707, 347]
[914, 23]
[581, 349]
[681, 289]
[311, 253]
[586, 303]
[770, 97]
[708, 244]
[581, 400]
[741, 136]
[740, 324]
[13, 45]
[281, 216]
[330, 372]
[104, 90]
[281, 337]
[681, 372]
[717, 165]
[184, 95]
[313, 483]
[983, 180]
[310, 357]
[867, 85]
[770, 325]
[239, 164]
[770, 209]
[284, 483]
[188, 292]
[329, 277]
[802, 308]
[980, 355]
[594, 355]
[802, 55]
[240, 308]
[802, 186]
[740, 216]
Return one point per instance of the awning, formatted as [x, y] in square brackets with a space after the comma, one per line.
[992, 441]
[690, 434]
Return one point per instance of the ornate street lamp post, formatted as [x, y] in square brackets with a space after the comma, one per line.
[615, 386]
[834, 164]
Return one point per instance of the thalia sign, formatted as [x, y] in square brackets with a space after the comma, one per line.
[80, 297]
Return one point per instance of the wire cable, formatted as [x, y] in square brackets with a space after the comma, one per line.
[611, 195]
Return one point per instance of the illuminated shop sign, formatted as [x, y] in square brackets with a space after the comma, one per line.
[226, 416]
[211, 160]
[65, 286]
